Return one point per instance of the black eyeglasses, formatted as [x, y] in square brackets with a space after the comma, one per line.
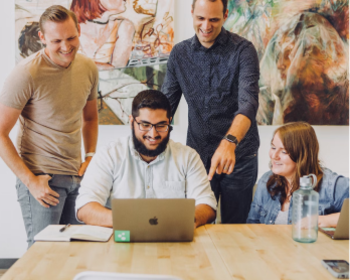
[160, 127]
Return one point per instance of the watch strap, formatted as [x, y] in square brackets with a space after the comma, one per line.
[231, 139]
[89, 155]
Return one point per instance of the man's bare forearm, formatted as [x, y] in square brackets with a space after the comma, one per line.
[10, 156]
[90, 126]
[204, 214]
[239, 127]
[90, 131]
[95, 214]
[90, 134]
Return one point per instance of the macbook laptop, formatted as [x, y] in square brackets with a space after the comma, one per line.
[153, 220]
[342, 229]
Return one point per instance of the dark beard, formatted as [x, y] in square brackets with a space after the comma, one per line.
[142, 149]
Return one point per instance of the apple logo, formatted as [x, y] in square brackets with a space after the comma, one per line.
[153, 221]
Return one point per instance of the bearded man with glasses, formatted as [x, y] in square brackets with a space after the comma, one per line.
[146, 165]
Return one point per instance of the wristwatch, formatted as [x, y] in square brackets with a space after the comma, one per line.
[231, 139]
[89, 155]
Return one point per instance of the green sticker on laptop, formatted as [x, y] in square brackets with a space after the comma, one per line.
[122, 236]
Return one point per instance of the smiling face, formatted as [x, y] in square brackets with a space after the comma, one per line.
[208, 19]
[150, 143]
[281, 162]
[61, 40]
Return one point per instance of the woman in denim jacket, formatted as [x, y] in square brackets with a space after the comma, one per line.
[294, 153]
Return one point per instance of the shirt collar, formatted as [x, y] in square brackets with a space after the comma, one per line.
[137, 156]
[222, 37]
[48, 60]
[221, 40]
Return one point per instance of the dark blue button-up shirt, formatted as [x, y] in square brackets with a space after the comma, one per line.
[218, 83]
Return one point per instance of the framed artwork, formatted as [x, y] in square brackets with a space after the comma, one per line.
[303, 49]
[129, 40]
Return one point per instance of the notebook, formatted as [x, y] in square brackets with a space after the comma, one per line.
[153, 220]
[342, 229]
[74, 232]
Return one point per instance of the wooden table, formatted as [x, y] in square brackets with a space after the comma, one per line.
[217, 252]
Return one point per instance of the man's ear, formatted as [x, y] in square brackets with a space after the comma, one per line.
[226, 14]
[42, 37]
[131, 120]
[79, 30]
[171, 118]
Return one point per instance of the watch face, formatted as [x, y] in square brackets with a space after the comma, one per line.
[232, 138]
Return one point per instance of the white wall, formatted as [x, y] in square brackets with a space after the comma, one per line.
[334, 141]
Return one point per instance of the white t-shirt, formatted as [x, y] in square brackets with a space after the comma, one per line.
[118, 171]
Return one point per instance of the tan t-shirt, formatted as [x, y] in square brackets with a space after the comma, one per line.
[52, 99]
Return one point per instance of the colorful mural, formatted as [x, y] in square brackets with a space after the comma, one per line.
[303, 52]
[129, 40]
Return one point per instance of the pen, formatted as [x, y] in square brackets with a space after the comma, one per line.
[64, 228]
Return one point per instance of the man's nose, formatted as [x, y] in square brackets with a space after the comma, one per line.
[206, 25]
[64, 46]
[153, 132]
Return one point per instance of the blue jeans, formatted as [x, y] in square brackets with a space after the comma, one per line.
[37, 217]
[236, 190]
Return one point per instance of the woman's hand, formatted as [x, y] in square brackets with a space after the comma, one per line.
[328, 220]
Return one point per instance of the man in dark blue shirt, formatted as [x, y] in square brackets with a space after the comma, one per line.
[218, 73]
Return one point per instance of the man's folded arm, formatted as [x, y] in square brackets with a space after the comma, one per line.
[198, 187]
[93, 213]
[95, 190]
[204, 214]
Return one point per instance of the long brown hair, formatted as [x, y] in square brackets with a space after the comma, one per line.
[300, 142]
[87, 9]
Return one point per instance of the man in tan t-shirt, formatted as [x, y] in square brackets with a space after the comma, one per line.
[53, 94]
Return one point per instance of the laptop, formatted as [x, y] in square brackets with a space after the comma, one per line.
[342, 229]
[153, 220]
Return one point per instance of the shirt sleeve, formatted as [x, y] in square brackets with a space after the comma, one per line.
[248, 87]
[341, 192]
[18, 88]
[197, 183]
[98, 180]
[93, 94]
[171, 87]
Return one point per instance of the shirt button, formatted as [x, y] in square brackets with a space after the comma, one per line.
[147, 187]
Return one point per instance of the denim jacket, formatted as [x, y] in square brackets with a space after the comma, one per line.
[264, 209]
